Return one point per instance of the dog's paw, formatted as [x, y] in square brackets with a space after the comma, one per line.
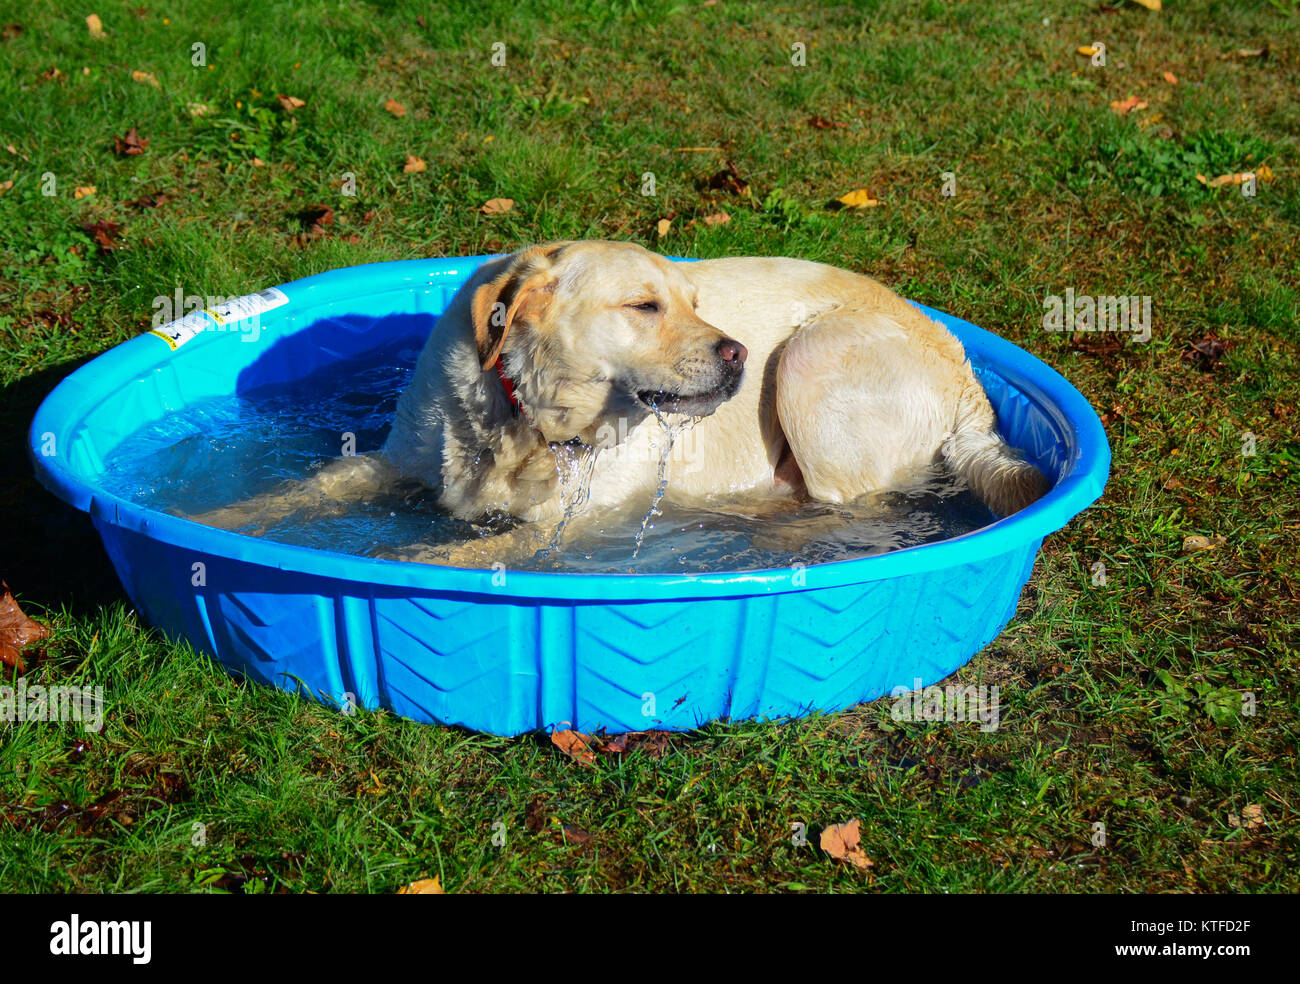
[443, 555]
[239, 518]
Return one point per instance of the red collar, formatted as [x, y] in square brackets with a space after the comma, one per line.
[508, 385]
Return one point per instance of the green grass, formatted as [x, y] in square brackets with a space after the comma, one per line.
[1121, 702]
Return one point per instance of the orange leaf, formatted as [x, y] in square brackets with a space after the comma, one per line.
[1125, 106]
[840, 841]
[497, 206]
[574, 744]
[146, 77]
[396, 108]
[1171, 78]
[413, 164]
[423, 886]
[16, 630]
[85, 191]
[95, 25]
[290, 103]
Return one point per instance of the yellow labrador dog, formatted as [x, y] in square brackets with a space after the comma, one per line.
[806, 381]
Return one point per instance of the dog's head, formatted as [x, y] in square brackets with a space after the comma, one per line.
[593, 332]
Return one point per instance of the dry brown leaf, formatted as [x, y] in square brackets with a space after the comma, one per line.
[497, 206]
[146, 77]
[83, 191]
[423, 886]
[95, 25]
[396, 108]
[257, 162]
[130, 145]
[413, 164]
[1171, 78]
[859, 198]
[1196, 543]
[5, 186]
[1253, 816]
[104, 233]
[717, 218]
[290, 103]
[574, 744]
[1149, 4]
[16, 630]
[661, 227]
[1125, 106]
[840, 841]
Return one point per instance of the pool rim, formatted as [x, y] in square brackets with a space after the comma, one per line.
[84, 389]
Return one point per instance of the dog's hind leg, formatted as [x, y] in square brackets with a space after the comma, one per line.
[864, 402]
[331, 490]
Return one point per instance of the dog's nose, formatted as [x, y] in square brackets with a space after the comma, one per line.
[732, 352]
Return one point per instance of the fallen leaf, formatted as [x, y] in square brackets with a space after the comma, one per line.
[575, 835]
[10, 31]
[5, 186]
[1125, 106]
[95, 25]
[652, 743]
[1206, 352]
[104, 233]
[1086, 50]
[822, 123]
[717, 218]
[16, 630]
[1171, 78]
[1149, 4]
[661, 227]
[198, 109]
[53, 74]
[146, 77]
[1253, 816]
[574, 744]
[149, 201]
[413, 164]
[423, 886]
[396, 108]
[1197, 543]
[315, 218]
[728, 180]
[84, 191]
[290, 103]
[840, 841]
[130, 145]
[497, 206]
[860, 198]
[257, 162]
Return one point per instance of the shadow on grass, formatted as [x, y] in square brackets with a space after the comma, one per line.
[50, 553]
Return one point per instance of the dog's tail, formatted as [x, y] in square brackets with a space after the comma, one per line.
[976, 451]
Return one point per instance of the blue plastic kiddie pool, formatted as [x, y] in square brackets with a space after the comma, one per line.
[536, 649]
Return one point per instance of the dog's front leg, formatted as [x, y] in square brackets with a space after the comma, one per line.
[510, 548]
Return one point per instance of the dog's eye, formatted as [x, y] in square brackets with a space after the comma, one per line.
[650, 307]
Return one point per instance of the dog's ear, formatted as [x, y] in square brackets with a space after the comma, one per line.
[495, 304]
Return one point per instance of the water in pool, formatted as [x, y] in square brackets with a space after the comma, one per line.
[227, 449]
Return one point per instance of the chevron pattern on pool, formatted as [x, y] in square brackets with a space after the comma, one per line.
[497, 664]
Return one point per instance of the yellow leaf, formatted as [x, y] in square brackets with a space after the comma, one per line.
[496, 206]
[860, 198]
[1087, 50]
[95, 25]
[146, 77]
[1149, 4]
[423, 886]
[396, 108]
[84, 191]
[413, 164]
[661, 227]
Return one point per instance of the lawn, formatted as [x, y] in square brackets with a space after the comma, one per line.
[1155, 694]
